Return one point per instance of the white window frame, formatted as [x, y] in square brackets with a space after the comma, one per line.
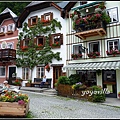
[113, 41]
[113, 12]
[39, 72]
[3, 29]
[8, 44]
[11, 27]
[24, 73]
[91, 46]
[77, 50]
[3, 72]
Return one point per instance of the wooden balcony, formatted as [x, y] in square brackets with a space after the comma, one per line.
[84, 31]
[7, 54]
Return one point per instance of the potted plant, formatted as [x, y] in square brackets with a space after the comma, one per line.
[28, 84]
[79, 86]
[47, 67]
[119, 95]
[17, 82]
[93, 54]
[76, 56]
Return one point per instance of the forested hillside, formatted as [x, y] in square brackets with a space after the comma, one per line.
[16, 7]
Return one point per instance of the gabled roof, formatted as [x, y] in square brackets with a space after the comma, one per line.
[37, 5]
[7, 13]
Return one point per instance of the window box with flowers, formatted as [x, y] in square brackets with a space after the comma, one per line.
[40, 46]
[113, 52]
[24, 48]
[14, 104]
[47, 67]
[93, 54]
[55, 45]
[76, 56]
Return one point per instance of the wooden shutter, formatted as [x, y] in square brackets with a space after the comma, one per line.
[42, 17]
[29, 22]
[61, 39]
[51, 16]
[21, 43]
[35, 41]
[44, 41]
[36, 19]
[50, 40]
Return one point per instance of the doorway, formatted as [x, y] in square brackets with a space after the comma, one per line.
[109, 82]
[57, 72]
[11, 71]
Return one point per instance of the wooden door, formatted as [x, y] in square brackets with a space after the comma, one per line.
[57, 72]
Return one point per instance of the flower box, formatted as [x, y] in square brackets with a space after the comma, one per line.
[14, 109]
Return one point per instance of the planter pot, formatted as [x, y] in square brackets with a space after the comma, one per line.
[28, 84]
[13, 109]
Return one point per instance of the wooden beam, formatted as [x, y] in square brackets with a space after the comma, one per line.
[99, 33]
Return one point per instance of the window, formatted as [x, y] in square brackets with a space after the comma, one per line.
[32, 21]
[11, 27]
[94, 47]
[113, 13]
[26, 42]
[3, 29]
[40, 72]
[56, 39]
[40, 40]
[2, 71]
[113, 45]
[25, 73]
[10, 45]
[47, 16]
[77, 49]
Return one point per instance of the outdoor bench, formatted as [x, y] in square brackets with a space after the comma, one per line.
[37, 82]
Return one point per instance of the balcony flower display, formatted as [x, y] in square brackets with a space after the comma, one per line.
[45, 21]
[47, 67]
[100, 17]
[76, 56]
[93, 54]
[113, 52]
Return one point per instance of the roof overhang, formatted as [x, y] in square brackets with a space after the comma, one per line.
[5, 16]
[94, 66]
[86, 5]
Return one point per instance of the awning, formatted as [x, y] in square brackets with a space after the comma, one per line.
[86, 5]
[93, 66]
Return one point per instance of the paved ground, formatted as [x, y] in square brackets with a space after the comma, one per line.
[44, 106]
[44, 103]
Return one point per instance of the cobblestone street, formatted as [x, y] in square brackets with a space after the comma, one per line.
[44, 106]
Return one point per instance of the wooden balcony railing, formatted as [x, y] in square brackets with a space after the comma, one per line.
[87, 30]
[7, 54]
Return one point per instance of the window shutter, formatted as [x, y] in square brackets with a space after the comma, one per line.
[42, 17]
[29, 22]
[36, 19]
[51, 16]
[50, 40]
[61, 39]
[5, 29]
[13, 27]
[43, 41]
[35, 41]
[21, 43]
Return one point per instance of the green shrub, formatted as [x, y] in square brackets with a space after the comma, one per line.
[74, 78]
[98, 94]
[63, 80]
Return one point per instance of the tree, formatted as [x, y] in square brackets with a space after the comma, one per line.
[32, 57]
[16, 7]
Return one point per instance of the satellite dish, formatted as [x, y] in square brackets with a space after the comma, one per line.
[4, 45]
